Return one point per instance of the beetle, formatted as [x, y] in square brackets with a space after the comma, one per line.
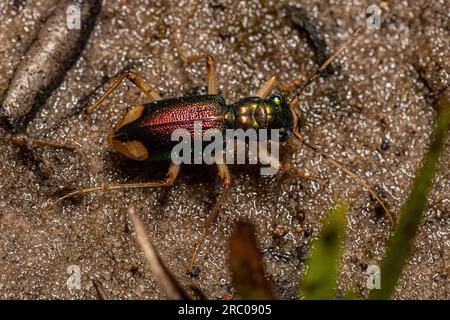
[144, 133]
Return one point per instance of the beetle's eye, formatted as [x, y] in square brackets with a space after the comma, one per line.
[284, 134]
[277, 99]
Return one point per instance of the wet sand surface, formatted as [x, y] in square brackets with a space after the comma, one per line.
[375, 113]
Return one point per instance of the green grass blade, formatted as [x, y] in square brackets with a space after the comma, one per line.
[400, 245]
[320, 279]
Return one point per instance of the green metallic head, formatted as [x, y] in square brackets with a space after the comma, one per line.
[257, 113]
[279, 115]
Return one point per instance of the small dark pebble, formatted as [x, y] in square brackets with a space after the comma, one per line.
[225, 34]
[385, 143]
[134, 269]
[307, 232]
[195, 272]
[299, 215]
[302, 252]
[215, 4]
[126, 228]
[363, 266]
[19, 3]
[378, 210]
[196, 91]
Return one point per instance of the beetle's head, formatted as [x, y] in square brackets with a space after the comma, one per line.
[280, 115]
[124, 142]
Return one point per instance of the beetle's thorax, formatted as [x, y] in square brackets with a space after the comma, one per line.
[257, 113]
[247, 113]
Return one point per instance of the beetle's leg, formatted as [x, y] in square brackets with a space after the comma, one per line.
[24, 141]
[172, 174]
[130, 75]
[295, 114]
[267, 158]
[224, 175]
[289, 86]
[210, 65]
[267, 87]
[135, 79]
[210, 69]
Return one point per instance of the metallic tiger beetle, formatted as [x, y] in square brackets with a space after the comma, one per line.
[144, 132]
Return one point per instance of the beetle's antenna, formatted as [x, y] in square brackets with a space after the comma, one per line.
[335, 163]
[354, 176]
[324, 66]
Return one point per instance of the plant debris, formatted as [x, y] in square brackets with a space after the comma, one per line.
[46, 62]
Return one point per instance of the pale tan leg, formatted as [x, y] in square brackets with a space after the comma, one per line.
[130, 75]
[224, 175]
[210, 65]
[210, 71]
[174, 169]
[289, 86]
[293, 106]
[286, 167]
[267, 87]
[24, 141]
[135, 79]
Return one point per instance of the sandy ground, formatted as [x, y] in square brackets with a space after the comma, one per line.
[383, 89]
